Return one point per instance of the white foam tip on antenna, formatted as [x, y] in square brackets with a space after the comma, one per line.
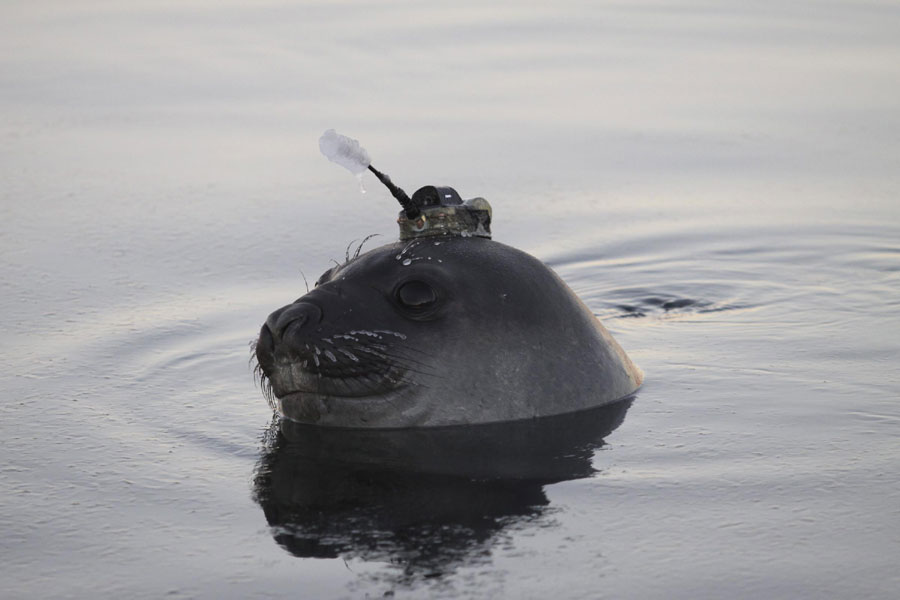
[344, 151]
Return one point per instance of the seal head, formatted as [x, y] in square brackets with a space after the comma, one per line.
[439, 330]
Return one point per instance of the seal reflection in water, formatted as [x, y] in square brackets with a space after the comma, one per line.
[425, 500]
[445, 327]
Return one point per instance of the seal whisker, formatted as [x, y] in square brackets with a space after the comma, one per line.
[409, 364]
[409, 354]
[262, 380]
[413, 365]
[362, 243]
[393, 333]
[347, 252]
[345, 337]
[382, 362]
[371, 351]
[348, 354]
[405, 347]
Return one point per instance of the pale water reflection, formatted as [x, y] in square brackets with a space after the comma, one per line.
[719, 181]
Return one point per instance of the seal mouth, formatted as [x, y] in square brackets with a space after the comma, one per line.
[365, 385]
[378, 409]
[348, 365]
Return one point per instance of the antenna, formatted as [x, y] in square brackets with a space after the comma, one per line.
[412, 211]
[349, 154]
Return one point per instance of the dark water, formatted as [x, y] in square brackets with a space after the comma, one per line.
[718, 181]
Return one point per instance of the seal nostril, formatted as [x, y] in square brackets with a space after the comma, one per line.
[265, 348]
[297, 315]
[288, 319]
[273, 318]
[265, 338]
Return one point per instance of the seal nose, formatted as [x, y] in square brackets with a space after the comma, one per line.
[296, 316]
[265, 349]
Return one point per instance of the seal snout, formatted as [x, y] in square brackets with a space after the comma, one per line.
[293, 319]
[287, 332]
[302, 354]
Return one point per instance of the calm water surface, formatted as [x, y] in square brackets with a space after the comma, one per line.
[718, 181]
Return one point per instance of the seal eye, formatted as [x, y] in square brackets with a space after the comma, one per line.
[416, 294]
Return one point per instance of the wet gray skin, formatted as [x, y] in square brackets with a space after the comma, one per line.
[439, 331]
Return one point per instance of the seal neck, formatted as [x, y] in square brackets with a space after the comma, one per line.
[443, 213]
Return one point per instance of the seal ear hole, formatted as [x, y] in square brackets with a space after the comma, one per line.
[416, 295]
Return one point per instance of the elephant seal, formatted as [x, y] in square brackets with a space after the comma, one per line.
[445, 327]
